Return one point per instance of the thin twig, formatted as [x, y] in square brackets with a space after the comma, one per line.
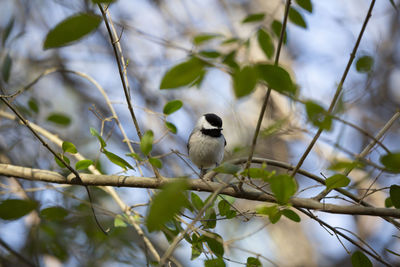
[122, 73]
[16, 254]
[108, 189]
[68, 166]
[339, 88]
[376, 257]
[365, 151]
[98, 87]
[266, 98]
[181, 235]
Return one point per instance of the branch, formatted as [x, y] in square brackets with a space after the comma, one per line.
[194, 184]
[266, 98]
[16, 254]
[366, 150]
[339, 88]
[110, 190]
[122, 73]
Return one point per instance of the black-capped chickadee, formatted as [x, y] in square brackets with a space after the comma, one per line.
[206, 142]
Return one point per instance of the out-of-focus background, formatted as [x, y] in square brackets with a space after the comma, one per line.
[156, 35]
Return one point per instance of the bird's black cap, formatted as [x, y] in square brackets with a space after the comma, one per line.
[213, 119]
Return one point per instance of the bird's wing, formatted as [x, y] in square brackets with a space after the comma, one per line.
[188, 142]
[224, 141]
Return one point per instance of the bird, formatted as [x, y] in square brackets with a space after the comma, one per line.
[206, 142]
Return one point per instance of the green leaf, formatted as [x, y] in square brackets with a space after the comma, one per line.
[265, 42]
[166, 204]
[12, 209]
[215, 244]
[274, 127]
[172, 106]
[196, 252]
[197, 247]
[57, 249]
[358, 259]
[196, 201]
[230, 60]
[290, 214]
[391, 251]
[54, 213]
[119, 221]
[277, 28]
[117, 160]
[395, 195]
[94, 132]
[183, 74]
[59, 119]
[283, 186]
[297, 18]
[155, 162]
[71, 29]
[277, 78]
[258, 173]
[134, 155]
[244, 81]
[218, 262]
[210, 53]
[274, 214]
[83, 164]
[305, 4]
[318, 116]
[7, 30]
[364, 64]
[146, 144]
[33, 105]
[204, 37]
[6, 68]
[336, 181]
[227, 168]
[225, 209]
[210, 219]
[69, 147]
[171, 127]
[388, 202]
[59, 162]
[171, 229]
[253, 262]
[199, 80]
[254, 18]
[343, 165]
[391, 162]
[230, 41]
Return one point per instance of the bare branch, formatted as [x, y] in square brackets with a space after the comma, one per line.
[195, 184]
[266, 98]
[115, 42]
[339, 88]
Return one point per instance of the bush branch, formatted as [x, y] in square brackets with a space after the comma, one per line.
[194, 184]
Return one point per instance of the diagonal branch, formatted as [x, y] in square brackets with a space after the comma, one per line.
[16, 254]
[339, 88]
[69, 167]
[365, 151]
[181, 235]
[266, 98]
[122, 73]
[108, 189]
